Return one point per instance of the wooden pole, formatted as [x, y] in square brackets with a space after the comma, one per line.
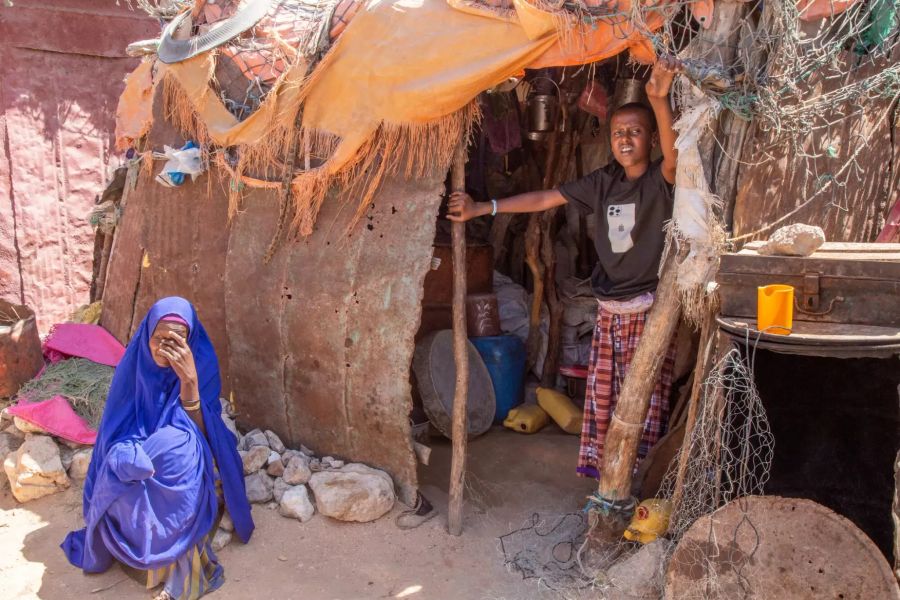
[701, 368]
[627, 424]
[460, 354]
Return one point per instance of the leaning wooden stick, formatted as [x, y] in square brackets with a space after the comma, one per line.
[627, 423]
[460, 355]
[701, 369]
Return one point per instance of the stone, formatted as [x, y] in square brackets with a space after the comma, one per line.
[275, 468]
[354, 493]
[15, 432]
[295, 504]
[331, 463]
[254, 459]
[221, 539]
[259, 487]
[8, 443]
[288, 454]
[315, 465]
[81, 460]
[275, 442]
[5, 418]
[226, 523]
[641, 575]
[272, 505]
[297, 471]
[367, 470]
[227, 408]
[66, 455]
[273, 456]
[72, 445]
[279, 488]
[797, 239]
[306, 450]
[26, 427]
[255, 438]
[229, 423]
[35, 469]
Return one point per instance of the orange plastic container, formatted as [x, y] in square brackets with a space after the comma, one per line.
[775, 309]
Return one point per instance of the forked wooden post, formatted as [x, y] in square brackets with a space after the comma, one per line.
[460, 354]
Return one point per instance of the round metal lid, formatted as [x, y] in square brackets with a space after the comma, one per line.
[435, 372]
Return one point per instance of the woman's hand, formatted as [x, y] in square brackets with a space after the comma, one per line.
[181, 359]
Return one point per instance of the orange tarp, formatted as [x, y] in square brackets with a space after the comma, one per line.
[401, 65]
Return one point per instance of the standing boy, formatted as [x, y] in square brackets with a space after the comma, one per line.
[632, 200]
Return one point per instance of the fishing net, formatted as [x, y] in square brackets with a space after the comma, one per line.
[84, 383]
[728, 456]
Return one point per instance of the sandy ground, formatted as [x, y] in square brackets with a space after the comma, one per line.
[512, 476]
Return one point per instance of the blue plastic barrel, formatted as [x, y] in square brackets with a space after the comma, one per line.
[504, 356]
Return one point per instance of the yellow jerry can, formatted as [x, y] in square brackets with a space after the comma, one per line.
[650, 520]
[561, 409]
[528, 418]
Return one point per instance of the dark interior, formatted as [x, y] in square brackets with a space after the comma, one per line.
[836, 424]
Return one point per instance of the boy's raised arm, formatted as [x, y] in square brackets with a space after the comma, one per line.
[658, 94]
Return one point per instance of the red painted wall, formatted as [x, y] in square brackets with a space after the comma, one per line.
[61, 72]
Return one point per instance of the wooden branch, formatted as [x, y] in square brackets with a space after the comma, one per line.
[701, 369]
[627, 424]
[533, 260]
[554, 306]
[460, 355]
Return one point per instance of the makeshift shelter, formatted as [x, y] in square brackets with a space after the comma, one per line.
[306, 242]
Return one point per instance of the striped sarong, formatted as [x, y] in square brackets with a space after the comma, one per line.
[197, 571]
[615, 339]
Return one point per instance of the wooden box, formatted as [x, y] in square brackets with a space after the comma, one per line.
[840, 283]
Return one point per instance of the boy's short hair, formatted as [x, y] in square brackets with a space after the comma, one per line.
[640, 107]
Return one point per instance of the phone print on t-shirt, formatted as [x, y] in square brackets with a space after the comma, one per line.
[620, 222]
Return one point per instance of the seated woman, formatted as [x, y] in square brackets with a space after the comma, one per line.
[163, 462]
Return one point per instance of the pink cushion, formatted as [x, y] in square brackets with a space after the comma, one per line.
[85, 341]
[57, 417]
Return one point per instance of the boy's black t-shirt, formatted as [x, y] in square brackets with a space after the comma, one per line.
[629, 234]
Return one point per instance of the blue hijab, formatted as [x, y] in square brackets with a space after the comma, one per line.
[149, 495]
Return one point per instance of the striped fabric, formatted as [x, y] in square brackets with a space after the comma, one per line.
[615, 339]
[195, 573]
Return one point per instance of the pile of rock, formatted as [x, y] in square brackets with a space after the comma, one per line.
[297, 483]
[37, 464]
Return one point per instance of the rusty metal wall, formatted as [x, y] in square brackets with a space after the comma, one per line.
[61, 70]
[317, 344]
[854, 212]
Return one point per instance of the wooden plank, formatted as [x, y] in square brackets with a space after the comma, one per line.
[854, 211]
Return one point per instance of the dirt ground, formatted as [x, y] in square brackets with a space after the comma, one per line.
[511, 476]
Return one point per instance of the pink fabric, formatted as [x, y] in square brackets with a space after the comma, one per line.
[56, 416]
[175, 319]
[85, 341]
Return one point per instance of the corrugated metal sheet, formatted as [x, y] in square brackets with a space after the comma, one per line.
[317, 344]
[61, 70]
